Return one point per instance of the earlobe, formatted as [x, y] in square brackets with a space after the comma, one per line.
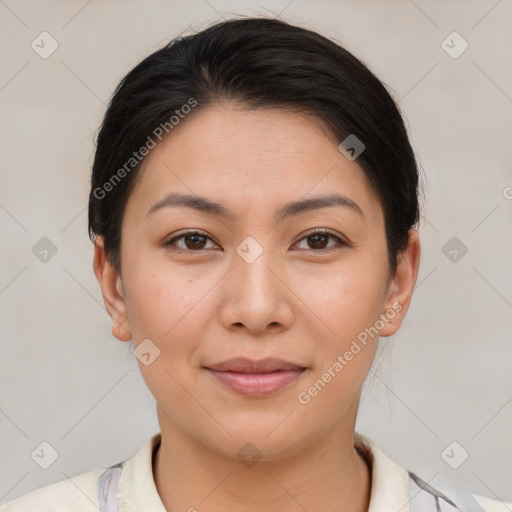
[402, 285]
[112, 291]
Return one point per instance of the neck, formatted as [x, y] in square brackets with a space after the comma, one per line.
[331, 476]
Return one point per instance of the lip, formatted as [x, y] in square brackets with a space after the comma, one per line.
[256, 378]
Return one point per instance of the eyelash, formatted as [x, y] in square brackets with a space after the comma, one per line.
[317, 231]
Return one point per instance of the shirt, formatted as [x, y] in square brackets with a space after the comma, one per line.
[129, 487]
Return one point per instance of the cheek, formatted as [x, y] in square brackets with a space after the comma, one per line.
[161, 297]
[165, 305]
[348, 305]
[346, 299]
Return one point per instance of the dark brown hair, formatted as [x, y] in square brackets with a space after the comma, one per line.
[259, 63]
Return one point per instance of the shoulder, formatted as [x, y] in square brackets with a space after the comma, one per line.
[491, 505]
[76, 494]
[124, 483]
[450, 499]
[395, 488]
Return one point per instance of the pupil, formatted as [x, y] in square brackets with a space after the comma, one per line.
[316, 241]
[195, 241]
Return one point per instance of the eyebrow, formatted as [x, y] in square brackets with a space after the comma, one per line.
[290, 209]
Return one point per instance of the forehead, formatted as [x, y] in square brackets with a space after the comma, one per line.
[246, 157]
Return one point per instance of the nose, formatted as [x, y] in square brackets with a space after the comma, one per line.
[257, 297]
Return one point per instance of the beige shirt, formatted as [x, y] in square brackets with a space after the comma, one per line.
[131, 488]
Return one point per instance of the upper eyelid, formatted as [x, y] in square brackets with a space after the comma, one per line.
[189, 233]
[340, 239]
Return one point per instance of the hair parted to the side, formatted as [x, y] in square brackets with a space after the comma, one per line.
[257, 63]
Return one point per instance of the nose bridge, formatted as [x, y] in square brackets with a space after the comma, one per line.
[252, 271]
[255, 296]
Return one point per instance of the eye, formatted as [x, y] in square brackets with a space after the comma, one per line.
[193, 241]
[318, 240]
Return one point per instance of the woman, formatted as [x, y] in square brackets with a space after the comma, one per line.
[253, 207]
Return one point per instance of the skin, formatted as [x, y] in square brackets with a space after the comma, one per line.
[296, 301]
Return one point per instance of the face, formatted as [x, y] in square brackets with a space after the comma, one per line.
[255, 269]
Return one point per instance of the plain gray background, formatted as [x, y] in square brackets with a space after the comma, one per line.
[445, 377]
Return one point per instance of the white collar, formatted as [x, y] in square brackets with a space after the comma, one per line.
[390, 481]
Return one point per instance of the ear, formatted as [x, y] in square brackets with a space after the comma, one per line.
[401, 286]
[112, 290]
